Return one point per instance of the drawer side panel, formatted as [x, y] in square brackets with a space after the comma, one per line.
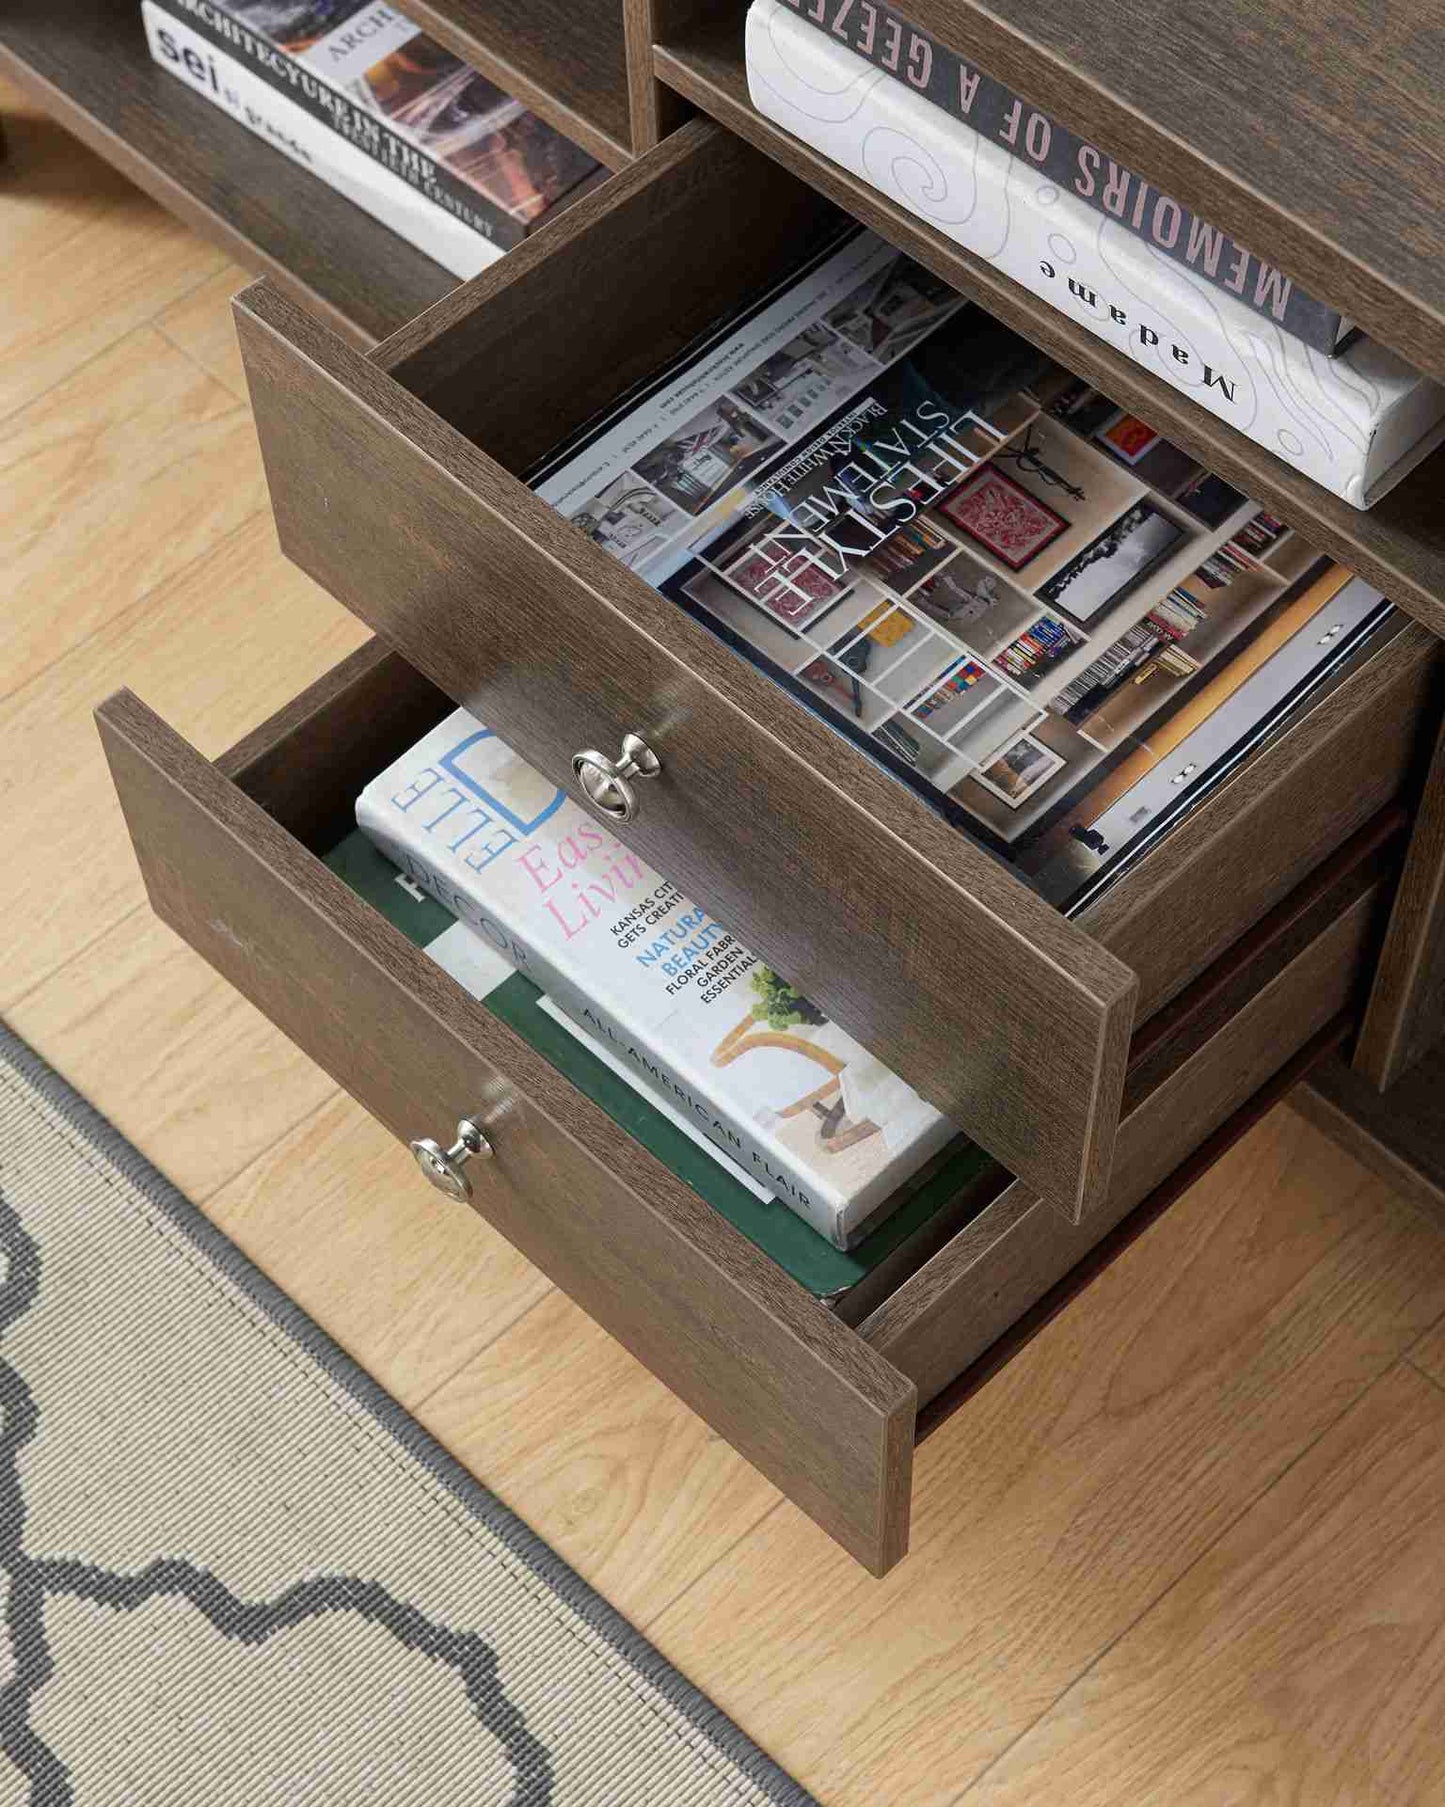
[951, 1310]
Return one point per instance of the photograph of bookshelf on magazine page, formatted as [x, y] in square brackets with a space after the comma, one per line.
[1036, 611]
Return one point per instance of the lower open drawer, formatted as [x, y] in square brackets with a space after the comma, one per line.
[825, 1407]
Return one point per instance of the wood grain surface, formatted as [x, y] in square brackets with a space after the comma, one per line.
[1299, 1660]
[566, 59]
[800, 843]
[1281, 813]
[1399, 544]
[769, 1367]
[1077, 1488]
[86, 62]
[277, 629]
[1405, 1016]
[115, 478]
[86, 257]
[659, 254]
[948, 1313]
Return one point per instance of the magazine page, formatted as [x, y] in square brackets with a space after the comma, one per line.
[969, 561]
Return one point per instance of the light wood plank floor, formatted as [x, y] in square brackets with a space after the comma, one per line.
[1184, 1552]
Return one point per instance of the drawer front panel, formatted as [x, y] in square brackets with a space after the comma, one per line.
[952, 1309]
[831, 870]
[1254, 840]
[816, 1410]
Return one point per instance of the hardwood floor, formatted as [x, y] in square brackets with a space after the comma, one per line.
[1183, 1552]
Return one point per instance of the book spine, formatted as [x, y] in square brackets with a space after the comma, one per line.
[239, 94]
[416, 855]
[354, 124]
[912, 57]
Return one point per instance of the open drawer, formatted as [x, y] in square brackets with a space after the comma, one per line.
[825, 1409]
[394, 482]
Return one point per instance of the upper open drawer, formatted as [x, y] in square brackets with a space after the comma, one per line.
[396, 481]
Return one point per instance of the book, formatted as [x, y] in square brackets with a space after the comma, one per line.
[1354, 423]
[757, 1067]
[470, 154]
[296, 134]
[914, 58]
[826, 1272]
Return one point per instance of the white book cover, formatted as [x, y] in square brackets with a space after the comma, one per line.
[1355, 423]
[294, 132]
[797, 1103]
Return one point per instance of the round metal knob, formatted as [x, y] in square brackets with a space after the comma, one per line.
[606, 781]
[445, 1167]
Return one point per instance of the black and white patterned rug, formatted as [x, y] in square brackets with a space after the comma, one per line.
[235, 1571]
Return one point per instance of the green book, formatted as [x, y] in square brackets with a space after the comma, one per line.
[779, 1232]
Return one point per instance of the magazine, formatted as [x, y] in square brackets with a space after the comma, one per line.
[935, 536]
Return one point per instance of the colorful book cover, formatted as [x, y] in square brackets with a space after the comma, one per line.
[473, 149]
[645, 1113]
[785, 1092]
[913, 57]
[914, 527]
[1354, 423]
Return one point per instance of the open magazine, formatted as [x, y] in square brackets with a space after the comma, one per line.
[972, 564]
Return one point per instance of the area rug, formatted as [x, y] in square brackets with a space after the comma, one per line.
[235, 1571]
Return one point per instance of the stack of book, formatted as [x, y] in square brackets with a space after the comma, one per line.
[1117, 663]
[356, 93]
[1036, 651]
[1179, 614]
[936, 1199]
[1257, 536]
[1094, 239]
[1223, 566]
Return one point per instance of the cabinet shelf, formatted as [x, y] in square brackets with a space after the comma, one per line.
[86, 62]
[565, 58]
[1398, 545]
[1313, 138]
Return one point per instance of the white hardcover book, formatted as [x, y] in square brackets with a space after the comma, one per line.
[798, 1104]
[1355, 423]
[305, 140]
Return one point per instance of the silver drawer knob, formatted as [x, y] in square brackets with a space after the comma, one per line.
[445, 1167]
[606, 781]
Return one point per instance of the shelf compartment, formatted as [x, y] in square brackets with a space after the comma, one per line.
[1399, 545]
[86, 62]
[1342, 190]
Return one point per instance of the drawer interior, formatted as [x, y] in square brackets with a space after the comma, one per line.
[306, 767]
[491, 361]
